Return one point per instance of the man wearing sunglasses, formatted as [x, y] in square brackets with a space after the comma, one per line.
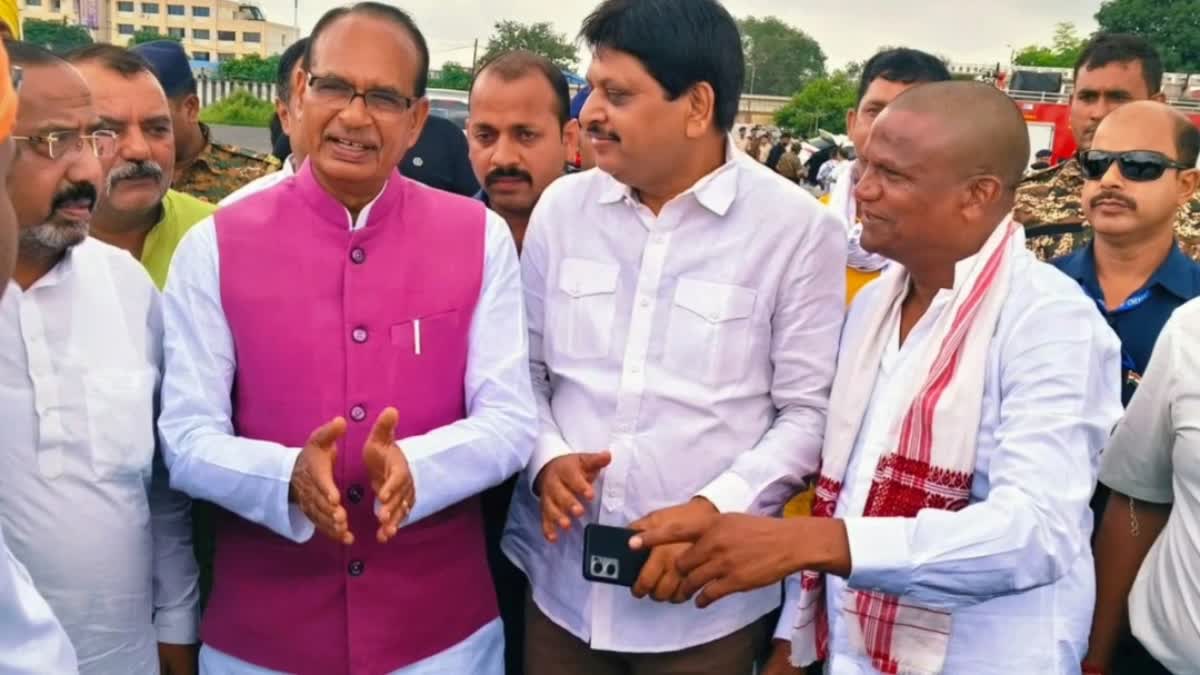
[1113, 70]
[351, 538]
[86, 506]
[1138, 172]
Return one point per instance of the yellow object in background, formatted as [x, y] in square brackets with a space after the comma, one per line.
[11, 15]
[855, 280]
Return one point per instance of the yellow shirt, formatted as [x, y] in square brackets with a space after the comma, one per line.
[180, 213]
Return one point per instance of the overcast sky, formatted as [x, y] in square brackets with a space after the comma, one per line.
[848, 30]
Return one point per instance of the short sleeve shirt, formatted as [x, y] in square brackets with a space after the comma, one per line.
[1154, 456]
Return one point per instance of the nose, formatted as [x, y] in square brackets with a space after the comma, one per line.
[505, 152]
[84, 168]
[867, 189]
[355, 114]
[592, 111]
[132, 146]
[1112, 178]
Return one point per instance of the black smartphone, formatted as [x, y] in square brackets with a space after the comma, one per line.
[607, 558]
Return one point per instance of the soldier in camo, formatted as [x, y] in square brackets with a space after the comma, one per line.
[1112, 70]
[220, 169]
[203, 168]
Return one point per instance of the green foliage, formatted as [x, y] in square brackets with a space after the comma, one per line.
[539, 38]
[239, 109]
[55, 36]
[454, 76]
[1172, 26]
[143, 36]
[250, 67]
[1063, 51]
[822, 104]
[780, 59]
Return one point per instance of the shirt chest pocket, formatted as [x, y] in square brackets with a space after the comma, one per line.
[121, 421]
[708, 338]
[586, 305]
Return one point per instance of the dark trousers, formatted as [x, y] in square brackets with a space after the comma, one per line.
[550, 650]
[510, 582]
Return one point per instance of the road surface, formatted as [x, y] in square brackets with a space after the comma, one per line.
[252, 138]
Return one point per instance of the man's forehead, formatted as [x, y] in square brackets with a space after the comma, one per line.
[1136, 132]
[528, 97]
[882, 91]
[1116, 76]
[334, 54]
[48, 99]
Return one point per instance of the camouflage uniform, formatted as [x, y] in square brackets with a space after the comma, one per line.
[1050, 206]
[220, 169]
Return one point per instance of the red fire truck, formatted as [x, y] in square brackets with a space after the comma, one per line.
[1044, 95]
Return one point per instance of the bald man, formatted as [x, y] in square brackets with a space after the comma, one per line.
[1138, 172]
[975, 388]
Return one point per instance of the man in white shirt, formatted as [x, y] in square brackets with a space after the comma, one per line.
[974, 392]
[684, 306]
[78, 398]
[285, 108]
[1148, 554]
[32, 642]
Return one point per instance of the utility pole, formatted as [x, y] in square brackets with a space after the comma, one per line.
[475, 57]
[296, 16]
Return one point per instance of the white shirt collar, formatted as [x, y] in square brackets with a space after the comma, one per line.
[715, 192]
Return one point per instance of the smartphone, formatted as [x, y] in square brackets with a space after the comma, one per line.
[607, 558]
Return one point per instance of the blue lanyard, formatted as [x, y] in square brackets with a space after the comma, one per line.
[1131, 303]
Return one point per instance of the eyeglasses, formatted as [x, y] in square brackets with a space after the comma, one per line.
[1140, 166]
[336, 91]
[63, 144]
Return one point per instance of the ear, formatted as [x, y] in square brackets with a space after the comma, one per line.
[285, 116]
[851, 118]
[1160, 97]
[980, 194]
[570, 136]
[299, 84]
[1188, 182]
[702, 110]
[191, 108]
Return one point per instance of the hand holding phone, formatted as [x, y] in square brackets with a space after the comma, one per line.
[607, 558]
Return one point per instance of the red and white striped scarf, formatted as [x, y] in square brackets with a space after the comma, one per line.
[933, 463]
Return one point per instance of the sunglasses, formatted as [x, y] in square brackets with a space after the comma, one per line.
[1139, 166]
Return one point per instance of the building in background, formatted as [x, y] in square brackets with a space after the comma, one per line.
[210, 30]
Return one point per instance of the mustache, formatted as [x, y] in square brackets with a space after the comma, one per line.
[135, 170]
[76, 192]
[1113, 196]
[594, 129]
[507, 172]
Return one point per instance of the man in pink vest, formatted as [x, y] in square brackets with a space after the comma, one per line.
[346, 354]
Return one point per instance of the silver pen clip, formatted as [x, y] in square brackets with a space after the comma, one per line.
[417, 337]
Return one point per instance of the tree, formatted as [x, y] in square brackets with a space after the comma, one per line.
[145, 35]
[822, 104]
[539, 38]
[453, 76]
[55, 36]
[1063, 51]
[780, 59]
[1170, 25]
[250, 67]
